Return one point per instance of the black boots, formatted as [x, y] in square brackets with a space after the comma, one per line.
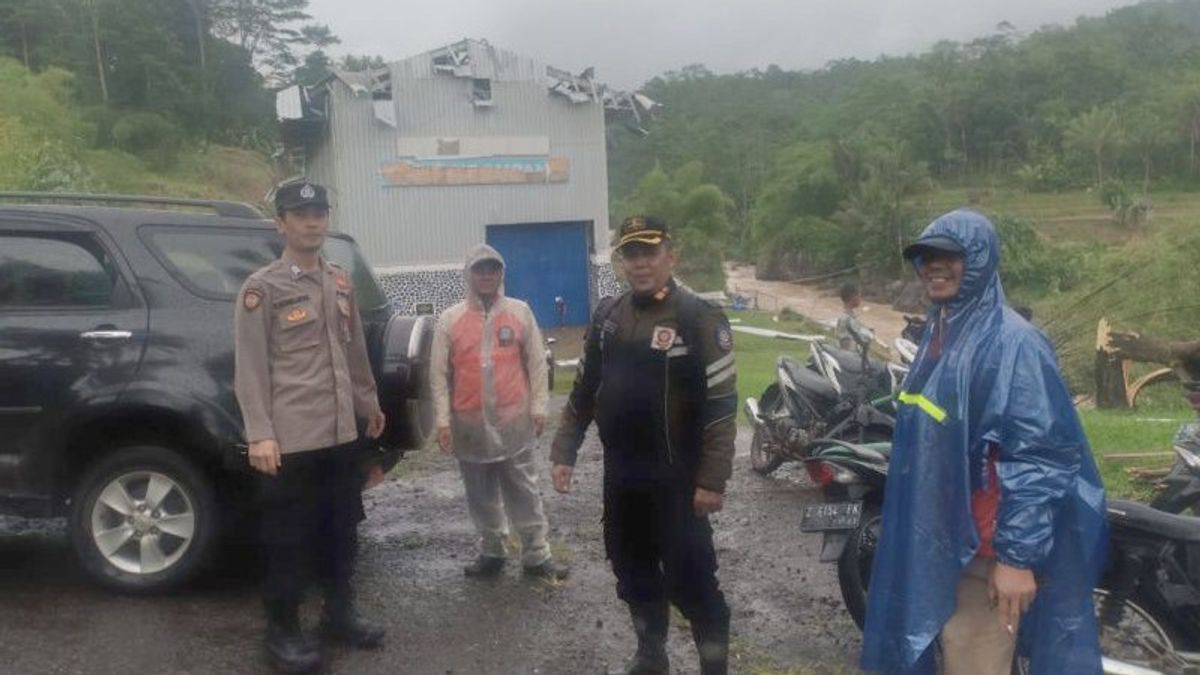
[650, 622]
[288, 650]
[712, 643]
[341, 623]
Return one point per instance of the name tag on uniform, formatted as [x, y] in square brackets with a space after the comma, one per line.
[662, 338]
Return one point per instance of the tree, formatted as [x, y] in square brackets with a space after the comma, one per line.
[353, 63]
[698, 214]
[317, 63]
[792, 233]
[270, 32]
[23, 27]
[1094, 133]
[1147, 130]
[877, 205]
[93, 9]
[948, 93]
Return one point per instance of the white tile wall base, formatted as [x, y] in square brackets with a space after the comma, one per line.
[406, 288]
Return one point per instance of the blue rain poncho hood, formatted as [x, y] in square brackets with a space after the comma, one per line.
[995, 383]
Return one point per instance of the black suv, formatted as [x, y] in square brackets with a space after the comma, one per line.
[117, 407]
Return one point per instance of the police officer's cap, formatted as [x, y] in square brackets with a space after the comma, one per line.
[300, 193]
[643, 230]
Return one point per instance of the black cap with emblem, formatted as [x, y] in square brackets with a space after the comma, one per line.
[647, 230]
[298, 194]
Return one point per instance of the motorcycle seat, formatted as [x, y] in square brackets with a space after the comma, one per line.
[852, 368]
[1138, 516]
[809, 381]
[852, 362]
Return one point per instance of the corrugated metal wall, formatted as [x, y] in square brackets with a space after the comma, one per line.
[401, 226]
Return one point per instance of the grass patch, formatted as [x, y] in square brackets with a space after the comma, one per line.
[1070, 215]
[748, 659]
[564, 379]
[756, 356]
[1117, 431]
[213, 172]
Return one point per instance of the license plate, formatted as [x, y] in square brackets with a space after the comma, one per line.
[836, 516]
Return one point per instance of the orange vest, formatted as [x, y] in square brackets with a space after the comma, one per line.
[504, 340]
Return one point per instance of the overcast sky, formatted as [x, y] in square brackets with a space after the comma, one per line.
[630, 41]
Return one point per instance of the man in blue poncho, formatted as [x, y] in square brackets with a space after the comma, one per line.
[993, 528]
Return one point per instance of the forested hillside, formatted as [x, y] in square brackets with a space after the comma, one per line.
[829, 169]
[159, 96]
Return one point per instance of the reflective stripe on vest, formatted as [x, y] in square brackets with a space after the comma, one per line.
[929, 407]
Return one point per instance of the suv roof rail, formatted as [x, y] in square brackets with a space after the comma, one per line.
[225, 209]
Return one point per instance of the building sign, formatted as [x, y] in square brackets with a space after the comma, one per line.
[476, 171]
[474, 161]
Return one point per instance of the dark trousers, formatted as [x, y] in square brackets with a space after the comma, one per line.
[310, 515]
[660, 550]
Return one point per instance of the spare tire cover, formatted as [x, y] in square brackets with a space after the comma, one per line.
[404, 381]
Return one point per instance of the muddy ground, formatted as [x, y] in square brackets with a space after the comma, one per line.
[817, 303]
[787, 613]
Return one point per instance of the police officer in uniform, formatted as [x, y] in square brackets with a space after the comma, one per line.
[658, 378]
[304, 383]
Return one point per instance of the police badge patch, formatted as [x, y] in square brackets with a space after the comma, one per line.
[341, 280]
[505, 335]
[307, 192]
[662, 338]
[724, 338]
[251, 299]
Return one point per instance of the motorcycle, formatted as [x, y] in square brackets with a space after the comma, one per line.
[1147, 603]
[852, 479]
[914, 327]
[1181, 488]
[839, 394]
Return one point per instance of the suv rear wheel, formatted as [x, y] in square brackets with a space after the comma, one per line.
[143, 519]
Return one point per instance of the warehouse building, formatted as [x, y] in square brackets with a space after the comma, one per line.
[461, 145]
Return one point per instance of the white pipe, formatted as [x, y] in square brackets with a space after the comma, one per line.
[1115, 667]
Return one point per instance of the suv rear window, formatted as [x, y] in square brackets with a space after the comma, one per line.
[50, 271]
[214, 262]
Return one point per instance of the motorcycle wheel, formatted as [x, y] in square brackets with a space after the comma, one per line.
[1137, 638]
[762, 461]
[854, 565]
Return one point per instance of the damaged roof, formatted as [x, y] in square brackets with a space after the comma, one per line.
[299, 107]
